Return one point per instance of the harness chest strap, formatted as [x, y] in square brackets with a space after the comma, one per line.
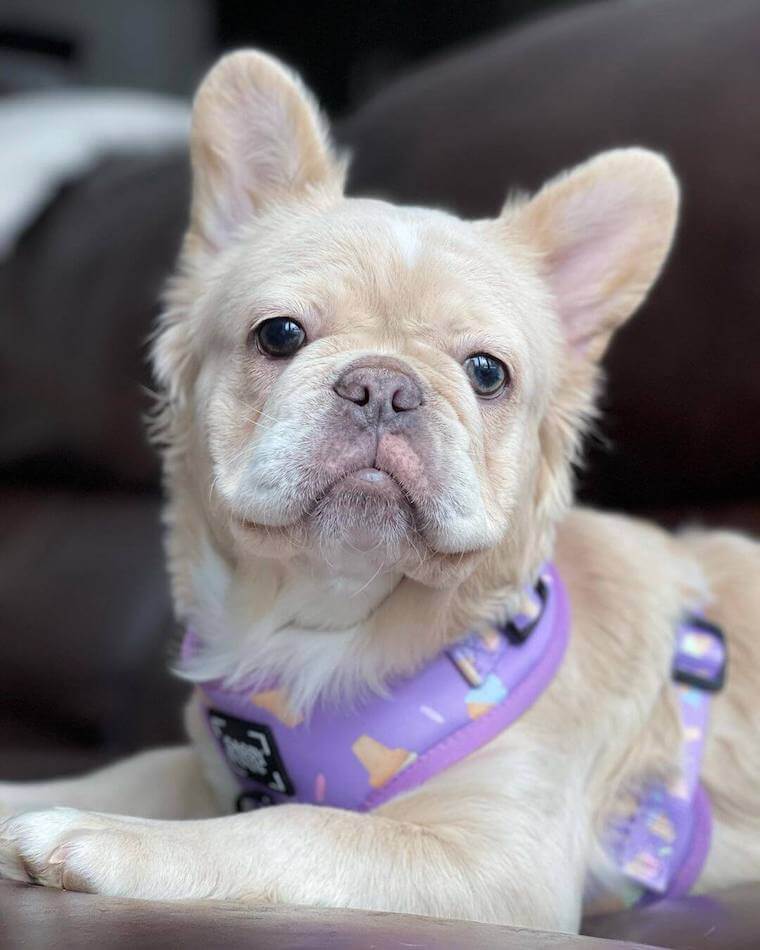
[466, 696]
[663, 842]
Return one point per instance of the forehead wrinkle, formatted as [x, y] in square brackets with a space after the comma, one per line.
[353, 261]
[438, 294]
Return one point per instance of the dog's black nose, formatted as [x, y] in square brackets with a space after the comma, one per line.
[382, 392]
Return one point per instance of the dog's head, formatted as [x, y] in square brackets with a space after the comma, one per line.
[348, 378]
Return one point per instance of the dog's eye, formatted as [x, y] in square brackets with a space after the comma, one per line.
[488, 376]
[280, 336]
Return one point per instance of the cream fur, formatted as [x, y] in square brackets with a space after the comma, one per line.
[283, 575]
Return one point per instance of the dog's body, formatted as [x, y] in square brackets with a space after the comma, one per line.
[370, 420]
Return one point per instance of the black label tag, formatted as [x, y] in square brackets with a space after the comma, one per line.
[251, 751]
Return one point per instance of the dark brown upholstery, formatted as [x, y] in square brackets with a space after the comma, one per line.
[85, 620]
[86, 631]
[53, 920]
[727, 920]
[78, 300]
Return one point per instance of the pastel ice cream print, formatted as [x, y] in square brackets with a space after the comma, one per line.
[691, 696]
[679, 788]
[644, 866]
[484, 697]
[320, 788]
[490, 640]
[380, 762]
[660, 826]
[276, 702]
[692, 733]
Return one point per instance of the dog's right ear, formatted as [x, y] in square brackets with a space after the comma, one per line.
[257, 138]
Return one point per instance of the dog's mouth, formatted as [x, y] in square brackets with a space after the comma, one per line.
[369, 500]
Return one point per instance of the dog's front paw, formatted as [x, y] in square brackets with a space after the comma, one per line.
[62, 847]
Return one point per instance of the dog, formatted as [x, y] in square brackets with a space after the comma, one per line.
[370, 417]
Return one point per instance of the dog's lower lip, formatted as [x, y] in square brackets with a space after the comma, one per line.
[372, 480]
[372, 475]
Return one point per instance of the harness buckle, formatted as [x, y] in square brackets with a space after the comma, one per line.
[701, 654]
[465, 655]
[519, 627]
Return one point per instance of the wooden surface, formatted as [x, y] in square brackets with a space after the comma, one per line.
[39, 918]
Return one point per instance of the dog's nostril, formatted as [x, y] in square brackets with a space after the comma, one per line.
[405, 398]
[362, 398]
[353, 392]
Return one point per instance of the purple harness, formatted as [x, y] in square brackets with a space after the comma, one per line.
[461, 700]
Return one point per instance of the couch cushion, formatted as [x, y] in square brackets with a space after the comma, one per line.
[78, 298]
[86, 628]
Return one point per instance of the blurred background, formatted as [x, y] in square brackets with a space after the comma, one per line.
[447, 103]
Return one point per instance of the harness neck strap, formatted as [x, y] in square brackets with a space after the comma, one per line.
[360, 757]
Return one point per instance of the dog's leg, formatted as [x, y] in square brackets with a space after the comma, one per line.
[162, 783]
[475, 867]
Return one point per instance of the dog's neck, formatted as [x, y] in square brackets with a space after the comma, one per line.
[331, 628]
[338, 592]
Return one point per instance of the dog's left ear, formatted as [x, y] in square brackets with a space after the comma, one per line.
[257, 139]
[602, 232]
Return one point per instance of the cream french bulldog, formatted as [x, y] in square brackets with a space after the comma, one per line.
[370, 416]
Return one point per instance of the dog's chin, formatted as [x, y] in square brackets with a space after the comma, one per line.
[367, 511]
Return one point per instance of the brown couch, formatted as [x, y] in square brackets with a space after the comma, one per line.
[85, 621]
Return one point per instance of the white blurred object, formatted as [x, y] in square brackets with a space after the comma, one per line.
[49, 138]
